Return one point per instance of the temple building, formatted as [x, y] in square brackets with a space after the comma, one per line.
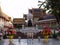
[5, 20]
[18, 22]
[47, 20]
[35, 14]
[32, 23]
[36, 17]
[28, 22]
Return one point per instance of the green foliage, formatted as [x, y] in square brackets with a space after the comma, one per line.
[53, 6]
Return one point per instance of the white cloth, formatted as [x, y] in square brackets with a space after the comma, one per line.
[29, 16]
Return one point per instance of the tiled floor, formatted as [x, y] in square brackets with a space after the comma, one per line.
[30, 42]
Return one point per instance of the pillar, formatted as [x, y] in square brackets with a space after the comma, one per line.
[22, 26]
[36, 26]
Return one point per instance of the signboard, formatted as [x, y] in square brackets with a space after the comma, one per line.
[18, 20]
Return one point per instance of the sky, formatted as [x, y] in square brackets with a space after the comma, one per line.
[16, 8]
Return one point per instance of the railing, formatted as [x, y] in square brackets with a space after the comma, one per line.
[50, 26]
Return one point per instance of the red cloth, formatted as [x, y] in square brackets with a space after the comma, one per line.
[47, 30]
[13, 32]
[10, 31]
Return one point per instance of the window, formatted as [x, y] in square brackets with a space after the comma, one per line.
[37, 10]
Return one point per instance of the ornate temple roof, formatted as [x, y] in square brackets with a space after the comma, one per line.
[47, 17]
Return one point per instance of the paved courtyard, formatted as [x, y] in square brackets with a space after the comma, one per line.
[30, 42]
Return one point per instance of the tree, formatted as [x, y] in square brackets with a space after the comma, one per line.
[53, 7]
